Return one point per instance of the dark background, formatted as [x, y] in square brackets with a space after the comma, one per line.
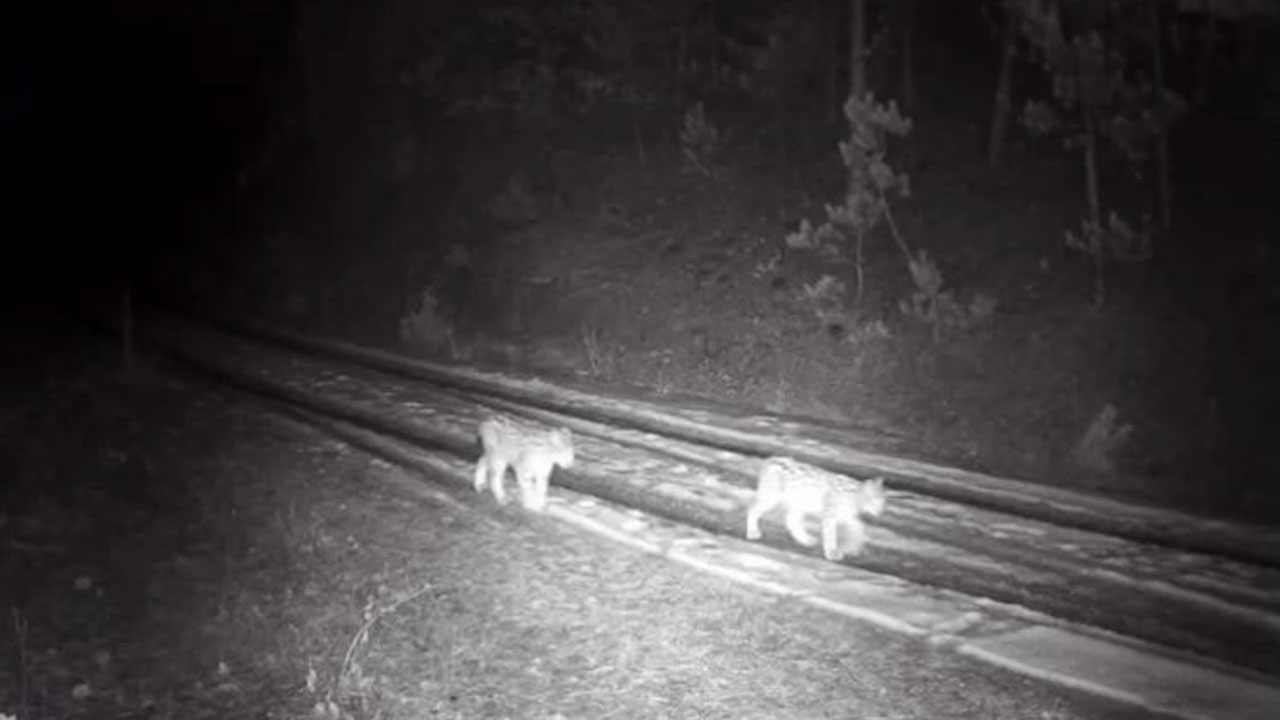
[241, 157]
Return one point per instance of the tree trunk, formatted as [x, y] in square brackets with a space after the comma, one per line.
[1247, 46]
[857, 48]
[908, 10]
[126, 324]
[857, 76]
[713, 50]
[1097, 248]
[1003, 101]
[1208, 48]
[1162, 141]
[682, 47]
[830, 14]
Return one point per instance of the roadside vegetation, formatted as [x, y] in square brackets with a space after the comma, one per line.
[1034, 236]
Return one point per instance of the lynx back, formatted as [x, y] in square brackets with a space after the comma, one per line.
[531, 452]
[805, 490]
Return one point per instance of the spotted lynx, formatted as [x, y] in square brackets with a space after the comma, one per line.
[528, 450]
[807, 490]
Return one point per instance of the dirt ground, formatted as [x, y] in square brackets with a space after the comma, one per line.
[171, 551]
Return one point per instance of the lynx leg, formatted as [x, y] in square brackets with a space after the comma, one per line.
[528, 484]
[831, 549]
[541, 486]
[857, 536]
[768, 495]
[488, 436]
[497, 475]
[795, 526]
[754, 513]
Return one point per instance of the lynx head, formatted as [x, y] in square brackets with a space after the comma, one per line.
[873, 496]
[561, 440]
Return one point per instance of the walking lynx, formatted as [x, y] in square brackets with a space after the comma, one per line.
[531, 452]
[805, 490]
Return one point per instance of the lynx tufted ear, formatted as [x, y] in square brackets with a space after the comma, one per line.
[873, 497]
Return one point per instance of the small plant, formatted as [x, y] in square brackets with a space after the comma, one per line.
[824, 239]
[352, 683]
[599, 361]
[20, 626]
[1116, 241]
[865, 332]
[938, 308]
[425, 327]
[515, 204]
[700, 142]
[663, 384]
[866, 204]
[869, 176]
[1104, 436]
[869, 182]
[825, 297]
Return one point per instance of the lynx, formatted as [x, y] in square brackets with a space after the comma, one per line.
[530, 451]
[807, 490]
